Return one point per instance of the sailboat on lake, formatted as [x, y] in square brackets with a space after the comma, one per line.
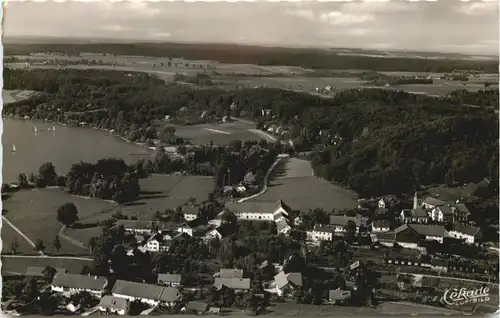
[35, 130]
[13, 148]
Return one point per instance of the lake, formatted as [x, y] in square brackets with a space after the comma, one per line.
[63, 147]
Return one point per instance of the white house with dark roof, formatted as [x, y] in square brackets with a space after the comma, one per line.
[258, 211]
[157, 243]
[321, 233]
[442, 213]
[190, 212]
[170, 280]
[73, 283]
[283, 227]
[470, 234]
[146, 293]
[114, 305]
[460, 212]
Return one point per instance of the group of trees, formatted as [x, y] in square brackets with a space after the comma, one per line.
[107, 179]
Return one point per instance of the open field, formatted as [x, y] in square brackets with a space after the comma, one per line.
[8, 235]
[294, 183]
[11, 96]
[20, 264]
[158, 192]
[219, 134]
[34, 213]
[309, 84]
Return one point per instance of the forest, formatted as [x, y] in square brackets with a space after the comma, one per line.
[245, 54]
[390, 141]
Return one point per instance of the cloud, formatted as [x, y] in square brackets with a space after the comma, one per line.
[478, 8]
[306, 14]
[378, 7]
[339, 18]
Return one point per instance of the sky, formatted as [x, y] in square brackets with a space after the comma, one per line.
[443, 26]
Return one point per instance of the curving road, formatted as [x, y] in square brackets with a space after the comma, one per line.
[264, 183]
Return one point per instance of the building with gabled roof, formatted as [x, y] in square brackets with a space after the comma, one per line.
[170, 280]
[409, 235]
[285, 283]
[258, 211]
[146, 293]
[237, 284]
[229, 273]
[469, 234]
[430, 203]
[417, 215]
[114, 305]
[73, 283]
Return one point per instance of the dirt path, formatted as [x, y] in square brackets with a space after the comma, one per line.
[27, 239]
[264, 183]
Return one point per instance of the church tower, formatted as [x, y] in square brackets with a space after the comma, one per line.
[415, 201]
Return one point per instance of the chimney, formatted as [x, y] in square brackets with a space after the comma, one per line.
[415, 201]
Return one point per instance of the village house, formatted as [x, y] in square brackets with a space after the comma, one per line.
[387, 202]
[380, 226]
[442, 213]
[191, 227]
[169, 280]
[236, 284]
[321, 233]
[284, 284]
[114, 305]
[190, 212]
[146, 293]
[73, 283]
[220, 232]
[470, 234]
[409, 235]
[430, 203]
[38, 271]
[414, 216]
[340, 222]
[282, 227]
[258, 211]
[139, 227]
[158, 243]
[460, 212]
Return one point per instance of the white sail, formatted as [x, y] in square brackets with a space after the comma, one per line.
[13, 148]
[53, 128]
[35, 129]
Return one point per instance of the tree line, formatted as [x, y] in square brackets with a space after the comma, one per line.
[241, 54]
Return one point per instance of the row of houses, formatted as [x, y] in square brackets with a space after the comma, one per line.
[429, 209]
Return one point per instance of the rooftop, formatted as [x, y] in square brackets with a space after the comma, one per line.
[233, 283]
[425, 230]
[112, 302]
[256, 207]
[79, 281]
[145, 291]
[464, 229]
[433, 201]
[172, 278]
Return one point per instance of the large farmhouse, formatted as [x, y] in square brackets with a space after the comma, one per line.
[73, 283]
[259, 211]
